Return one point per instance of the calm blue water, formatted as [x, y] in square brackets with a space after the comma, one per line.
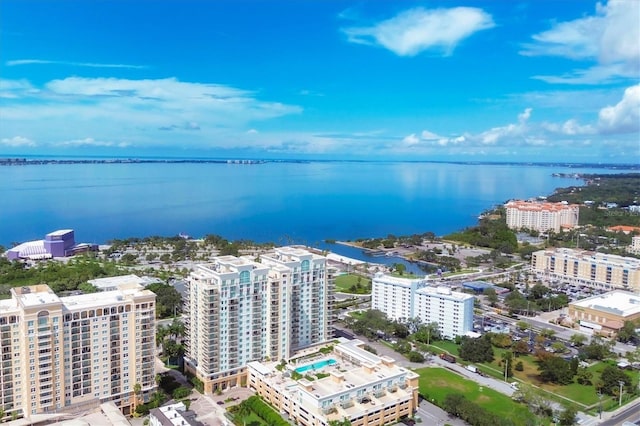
[278, 202]
[315, 366]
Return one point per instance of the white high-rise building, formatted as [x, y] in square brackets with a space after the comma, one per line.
[239, 310]
[71, 354]
[404, 298]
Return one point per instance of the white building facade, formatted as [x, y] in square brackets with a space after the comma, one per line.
[239, 310]
[404, 298]
[541, 216]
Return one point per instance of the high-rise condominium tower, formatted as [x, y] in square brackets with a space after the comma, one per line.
[242, 309]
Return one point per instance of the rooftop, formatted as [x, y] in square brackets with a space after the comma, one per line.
[60, 232]
[618, 302]
[112, 282]
[539, 206]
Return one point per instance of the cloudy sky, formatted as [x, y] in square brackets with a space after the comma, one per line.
[428, 80]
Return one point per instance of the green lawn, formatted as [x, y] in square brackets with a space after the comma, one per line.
[453, 274]
[251, 419]
[344, 284]
[447, 346]
[585, 395]
[437, 383]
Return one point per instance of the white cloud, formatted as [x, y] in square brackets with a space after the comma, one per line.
[429, 136]
[513, 130]
[10, 89]
[572, 127]
[18, 62]
[624, 117]
[410, 140]
[252, 132]
[140, 111]
[17, 141]
[416, 30]
[91, 142]
[611, 38]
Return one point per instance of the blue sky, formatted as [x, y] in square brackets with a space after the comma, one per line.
[417, 80]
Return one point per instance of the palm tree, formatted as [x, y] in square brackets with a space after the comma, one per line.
[243, 411]
[137, 390]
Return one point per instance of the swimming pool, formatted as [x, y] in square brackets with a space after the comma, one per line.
[315, 365]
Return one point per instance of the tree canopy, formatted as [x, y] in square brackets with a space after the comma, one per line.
[476, 349]
[168, 300]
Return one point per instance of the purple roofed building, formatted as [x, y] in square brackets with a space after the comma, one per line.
[59, 243]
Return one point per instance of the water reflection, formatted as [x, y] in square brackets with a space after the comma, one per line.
[366, 256]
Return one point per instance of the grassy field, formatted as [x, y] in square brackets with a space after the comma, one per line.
[251, 419]
[437, 383]
[584, 395]
[345, 282]
[446, 346]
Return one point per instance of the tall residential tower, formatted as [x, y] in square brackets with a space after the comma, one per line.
[239, 310]
[73, 353]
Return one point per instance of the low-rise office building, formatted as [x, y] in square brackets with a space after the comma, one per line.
[349, 383]
[541, 216]
[605, 314]
[582, 267]
[404, 298]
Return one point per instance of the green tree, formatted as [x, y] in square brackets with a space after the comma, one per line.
[578, 339]
[610, 379]
[414, 356]
[596, 349]
[555, 370]
[476, 349]
[400, 268]
[568, 416]
[584, 376]
[491, 295]
[507, 359]
[168, 300]
[627, 332]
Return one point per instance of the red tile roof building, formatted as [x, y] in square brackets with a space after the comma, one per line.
[541, 216]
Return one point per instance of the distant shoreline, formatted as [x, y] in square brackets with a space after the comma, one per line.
[27, 161]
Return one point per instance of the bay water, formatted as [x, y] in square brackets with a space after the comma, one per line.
[280, 202]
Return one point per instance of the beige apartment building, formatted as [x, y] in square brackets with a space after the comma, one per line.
[349, 383]
[541, 216]
[239, 310]
[74, 353]
[605, 314]
[593, 269]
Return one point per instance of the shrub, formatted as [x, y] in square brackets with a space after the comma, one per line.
[414, 356]
[181, 392]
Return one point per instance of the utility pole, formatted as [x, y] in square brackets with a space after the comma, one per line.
[506, 368]
[621, 384]
[600, 400]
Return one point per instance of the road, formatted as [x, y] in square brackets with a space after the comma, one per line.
[629, 413]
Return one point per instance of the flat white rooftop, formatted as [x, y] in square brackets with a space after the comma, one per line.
[60, 232]
[38, 298]
[618, 302]
[113, 282]
[98, 300]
